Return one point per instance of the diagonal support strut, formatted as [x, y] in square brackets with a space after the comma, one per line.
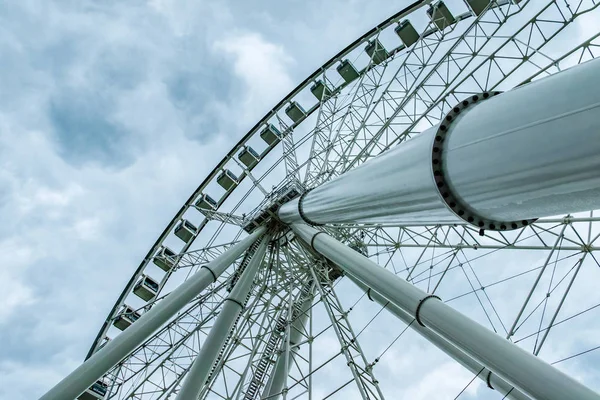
[519, 368]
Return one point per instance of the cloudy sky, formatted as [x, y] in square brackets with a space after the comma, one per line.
[111, 114]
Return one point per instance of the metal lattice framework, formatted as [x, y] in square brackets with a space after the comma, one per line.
[530, 285]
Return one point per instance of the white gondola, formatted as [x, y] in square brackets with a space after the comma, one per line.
[164, 258]
[347, 71]
[227, 180]
[95, 392]
[376, 51]
[205, 202]
[320, 90]
[407, 33]
[185, 230]
[146, 288]
[249, 157]
[126, 317]
[477, 6]
[270, 134]
[295, 111]
[440, 15]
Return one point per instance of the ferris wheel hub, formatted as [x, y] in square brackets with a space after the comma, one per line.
[397, 207]
[268, 212]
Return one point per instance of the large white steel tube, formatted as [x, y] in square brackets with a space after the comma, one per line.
[519, 368]
[493, 381]
[114, 351]
[232, 307]
[397, 186]
[528, 153]
[280, 372]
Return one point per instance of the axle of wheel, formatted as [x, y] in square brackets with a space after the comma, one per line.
[496, 160]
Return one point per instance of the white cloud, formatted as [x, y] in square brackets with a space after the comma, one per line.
[15, 293]
[73, 233]
[262, 67]
[446, 378]
[39, 377]
[181, 80]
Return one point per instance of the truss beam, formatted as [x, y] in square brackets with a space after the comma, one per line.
[233, 306]
[362, 370]
[491, 380]
[103, 360]
[299, 316]
[497, 163]
[519, 368]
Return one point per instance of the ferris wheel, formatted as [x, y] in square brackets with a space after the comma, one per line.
[419, 207]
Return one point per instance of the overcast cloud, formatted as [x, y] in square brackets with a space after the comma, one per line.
[111, 114]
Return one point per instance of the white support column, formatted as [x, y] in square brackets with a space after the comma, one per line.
[232, 308]
[280, 372]
[517, 367]
[496, 161]
[492, 381]
[114, 351]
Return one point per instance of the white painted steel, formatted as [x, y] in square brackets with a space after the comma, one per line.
[532, 151]
[214, 342]
[397, 186]
[472, 365]
[521, 369]
[527, 153]
[280, 372]
[114, 351]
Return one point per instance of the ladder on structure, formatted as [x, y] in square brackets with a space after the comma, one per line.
[267, 360]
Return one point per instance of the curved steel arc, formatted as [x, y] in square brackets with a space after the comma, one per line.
[406, 11]
[402, 13]
[348, 231]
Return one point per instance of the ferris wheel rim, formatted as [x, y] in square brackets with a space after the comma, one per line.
[237, 147]
[213, 174]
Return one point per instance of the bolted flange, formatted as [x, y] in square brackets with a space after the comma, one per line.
[452, 201]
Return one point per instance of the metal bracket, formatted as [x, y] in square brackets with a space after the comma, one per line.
[488, 380]
[454, 203]
[423, 300]
[301, 210]
[211, 272]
